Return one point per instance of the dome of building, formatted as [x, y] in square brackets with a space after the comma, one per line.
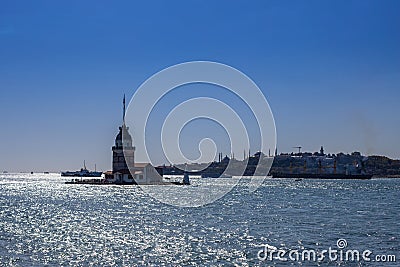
[123, 133]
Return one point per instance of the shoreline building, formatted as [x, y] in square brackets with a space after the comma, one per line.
[123, 161]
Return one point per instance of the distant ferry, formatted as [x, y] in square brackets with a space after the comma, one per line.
[322, 176]
[82, 173]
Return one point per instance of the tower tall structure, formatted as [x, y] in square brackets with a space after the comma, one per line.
[123, 150]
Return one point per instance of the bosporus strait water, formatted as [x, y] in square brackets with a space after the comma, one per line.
[44, 222]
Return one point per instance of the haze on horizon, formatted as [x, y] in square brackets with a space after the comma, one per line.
[330, 71]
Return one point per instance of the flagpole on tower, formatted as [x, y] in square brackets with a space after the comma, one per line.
[123, 114]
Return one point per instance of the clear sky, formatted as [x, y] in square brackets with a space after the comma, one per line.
[329, 69]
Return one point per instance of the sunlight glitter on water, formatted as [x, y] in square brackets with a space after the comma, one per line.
[46, 222]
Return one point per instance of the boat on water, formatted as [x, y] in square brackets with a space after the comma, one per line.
[84, 172]
[185, 181]
[322, 176]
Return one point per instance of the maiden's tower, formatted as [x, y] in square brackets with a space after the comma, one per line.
[123, 161]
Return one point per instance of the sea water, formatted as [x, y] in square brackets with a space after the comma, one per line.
[44, 222]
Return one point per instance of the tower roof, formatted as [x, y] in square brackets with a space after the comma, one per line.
[123, 132]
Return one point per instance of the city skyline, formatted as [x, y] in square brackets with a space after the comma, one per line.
[329, 70]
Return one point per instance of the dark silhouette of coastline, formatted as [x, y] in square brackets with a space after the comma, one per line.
[295, 165]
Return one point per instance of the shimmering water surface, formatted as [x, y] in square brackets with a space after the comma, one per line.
[46, 222]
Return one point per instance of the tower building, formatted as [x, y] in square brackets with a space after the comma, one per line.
[123, 151]
[124, 168]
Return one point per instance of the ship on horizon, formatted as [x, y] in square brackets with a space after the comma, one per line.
[84, 172]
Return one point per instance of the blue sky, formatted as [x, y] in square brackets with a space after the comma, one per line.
[329, 69]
